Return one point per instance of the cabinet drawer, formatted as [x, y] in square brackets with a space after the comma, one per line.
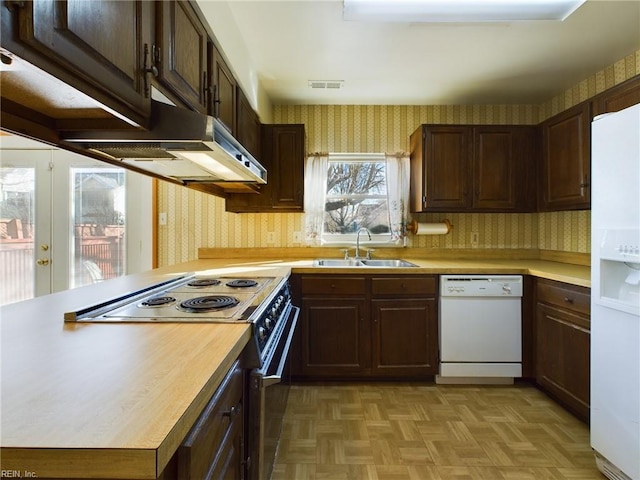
[570, 297]
[404, 285]
[203, 443]
[338, 285]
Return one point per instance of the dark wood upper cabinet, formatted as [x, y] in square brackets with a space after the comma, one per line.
[181, 53]
[565, 180]
[618, 98]
[222, 103]
[503, 168]
[98, 47]
[283, 150]
[282, 154]
[248, 131]
[464, 168]
[440, 177]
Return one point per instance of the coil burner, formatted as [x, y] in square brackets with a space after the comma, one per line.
[204, 282]
[207, 303]
[242, 283]
[157, 302]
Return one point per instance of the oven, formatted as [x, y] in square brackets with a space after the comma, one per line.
[269, 392]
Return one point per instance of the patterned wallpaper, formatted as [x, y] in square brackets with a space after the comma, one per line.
[198, 220]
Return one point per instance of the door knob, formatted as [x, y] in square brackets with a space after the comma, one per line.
[43, 261]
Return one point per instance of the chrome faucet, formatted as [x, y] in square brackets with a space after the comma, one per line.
[358, 257]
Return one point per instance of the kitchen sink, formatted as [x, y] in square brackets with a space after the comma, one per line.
[351, 262]
[393, 263]
[334, 262]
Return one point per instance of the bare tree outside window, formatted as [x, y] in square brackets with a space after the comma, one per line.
[356, 197]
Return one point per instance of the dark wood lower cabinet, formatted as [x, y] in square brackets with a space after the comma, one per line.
[404, 337]
[563, 344]
[213, 447]
[367, 326]
[335, 333]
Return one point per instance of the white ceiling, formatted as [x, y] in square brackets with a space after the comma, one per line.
[292, 42]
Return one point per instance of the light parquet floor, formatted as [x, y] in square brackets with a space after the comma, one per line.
[430, 432]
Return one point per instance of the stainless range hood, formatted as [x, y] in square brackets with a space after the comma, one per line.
[181, 144]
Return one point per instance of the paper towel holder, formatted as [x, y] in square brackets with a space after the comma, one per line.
[413, 226]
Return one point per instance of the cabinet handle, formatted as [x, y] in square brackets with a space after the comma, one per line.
[148, 69]
[232, 412]
[568, 299]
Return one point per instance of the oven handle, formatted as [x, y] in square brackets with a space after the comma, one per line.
[269, 380]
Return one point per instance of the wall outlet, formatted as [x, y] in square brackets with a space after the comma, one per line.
[162, 218]
[297, 237]
[271, 238]
[475, 239]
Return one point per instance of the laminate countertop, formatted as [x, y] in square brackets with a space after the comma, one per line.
[112, 400]
[116, 400]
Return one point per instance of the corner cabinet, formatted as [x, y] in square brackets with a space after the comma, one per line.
[367, 326]
[464, 168]
[282, 154]
[563, 343]
[565, 176]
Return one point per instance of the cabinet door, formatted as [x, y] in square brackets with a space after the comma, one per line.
[182, 42]
[405, 337]
[446, 169]
[248, 132]
[98, 42]
[213, 447]
[282, 154]
[566, 157]
[618, 98]
[503, 177]
[223, 100]
[336, 336]
[563, 357]
[285, 143]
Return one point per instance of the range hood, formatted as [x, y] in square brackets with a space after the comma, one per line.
[182, 145]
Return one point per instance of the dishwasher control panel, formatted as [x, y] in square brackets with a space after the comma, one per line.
[481, 285]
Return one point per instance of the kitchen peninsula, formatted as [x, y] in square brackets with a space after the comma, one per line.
[117, 400]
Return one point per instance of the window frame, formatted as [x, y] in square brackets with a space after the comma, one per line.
[349, 239]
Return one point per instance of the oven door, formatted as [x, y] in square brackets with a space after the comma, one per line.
[269, 392]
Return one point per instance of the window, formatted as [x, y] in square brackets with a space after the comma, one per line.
[347, 192]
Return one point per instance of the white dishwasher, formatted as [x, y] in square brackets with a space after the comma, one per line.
[480, 328]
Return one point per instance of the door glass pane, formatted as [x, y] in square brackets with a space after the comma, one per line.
[17, 215]
[97, 222]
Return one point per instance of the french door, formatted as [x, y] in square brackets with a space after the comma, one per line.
[64, 222]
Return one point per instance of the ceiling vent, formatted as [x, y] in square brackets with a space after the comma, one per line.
[326, 84]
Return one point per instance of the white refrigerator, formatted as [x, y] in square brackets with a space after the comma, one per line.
[615, 293]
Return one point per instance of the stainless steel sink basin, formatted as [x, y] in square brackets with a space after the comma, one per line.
[388, 263]
[334, 262]
[392, 263]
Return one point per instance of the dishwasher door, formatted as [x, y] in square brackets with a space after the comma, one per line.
[480, 328]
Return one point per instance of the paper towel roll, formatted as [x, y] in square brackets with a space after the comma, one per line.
[430, 228]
